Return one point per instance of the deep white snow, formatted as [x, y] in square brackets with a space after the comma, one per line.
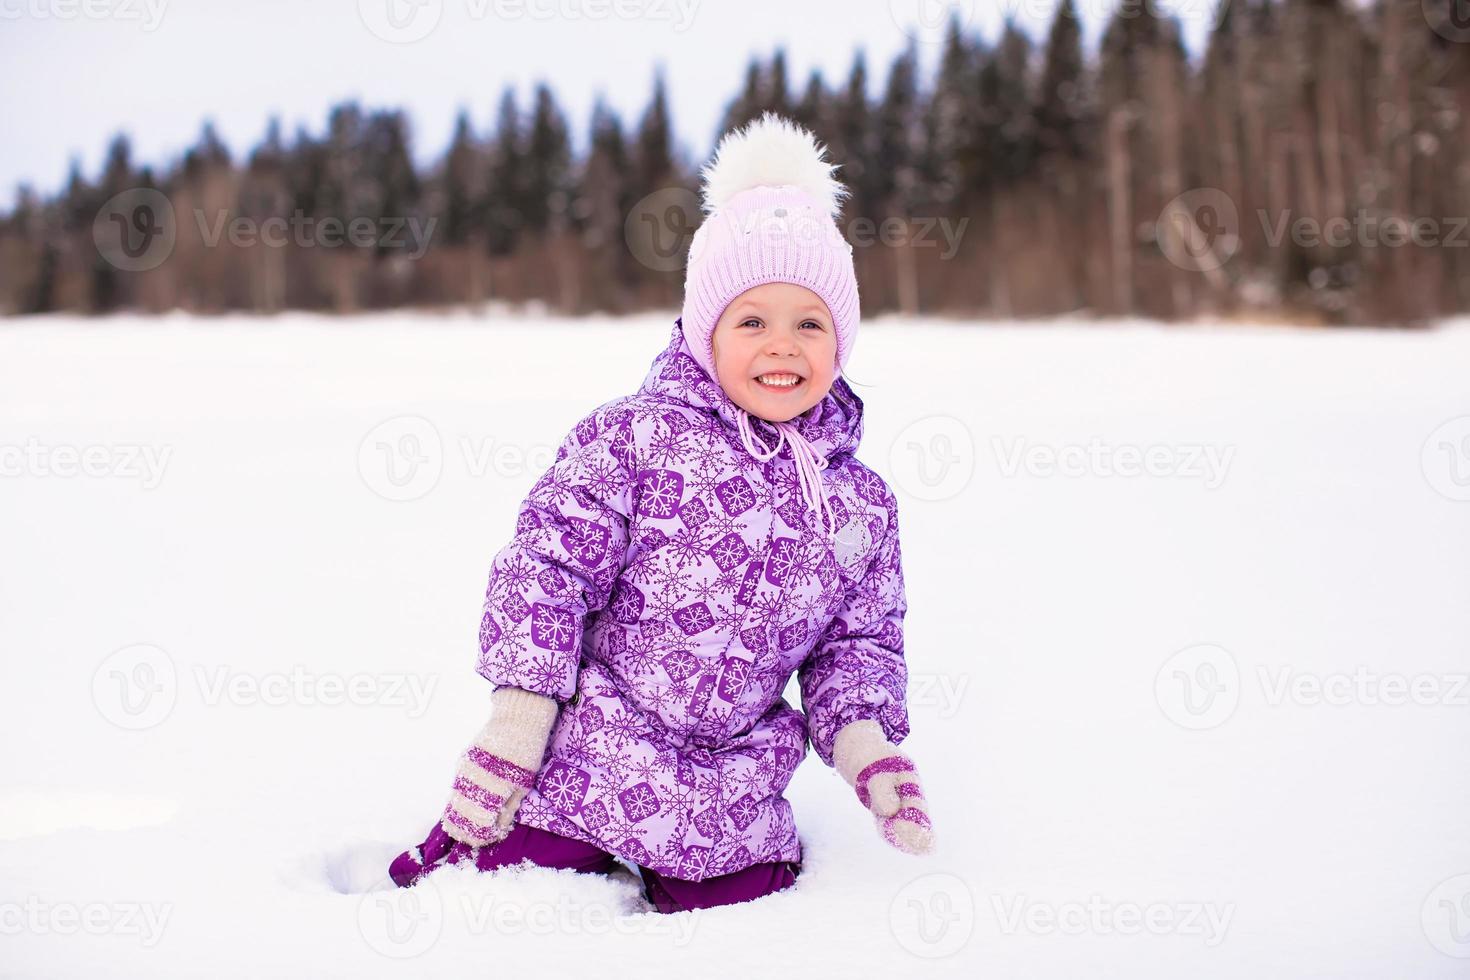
[1207, 721]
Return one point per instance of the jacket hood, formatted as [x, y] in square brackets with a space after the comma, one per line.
[832, 427]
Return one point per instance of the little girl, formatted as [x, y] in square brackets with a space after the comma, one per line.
[694, 544]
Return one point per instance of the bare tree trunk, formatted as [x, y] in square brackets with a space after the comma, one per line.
[1120, 208]
[1000, 291]
[1329, 125]
[1167, 82]
[905, 273]
[1257, 166]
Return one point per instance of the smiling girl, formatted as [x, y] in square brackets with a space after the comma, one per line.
[694, 545]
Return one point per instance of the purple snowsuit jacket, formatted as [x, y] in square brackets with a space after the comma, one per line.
[662, 586]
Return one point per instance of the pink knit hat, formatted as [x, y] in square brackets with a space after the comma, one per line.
[772, 206]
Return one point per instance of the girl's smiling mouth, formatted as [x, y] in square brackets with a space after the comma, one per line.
[780, 381]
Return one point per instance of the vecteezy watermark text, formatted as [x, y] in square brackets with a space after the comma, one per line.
[1366, 229]
[1099, 917]
[145, 920]
[121, 460]
[302, 687]
[137, 688]
[1200, 686]
[402, 923]
[148, 12]
[409, 234]
[1208, 463]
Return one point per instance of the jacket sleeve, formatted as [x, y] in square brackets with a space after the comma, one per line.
[856, 671]
[571, 538]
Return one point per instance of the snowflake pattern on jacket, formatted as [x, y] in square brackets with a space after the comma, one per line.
[663, 585]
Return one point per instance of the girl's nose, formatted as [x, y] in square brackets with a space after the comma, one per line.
[782, 344]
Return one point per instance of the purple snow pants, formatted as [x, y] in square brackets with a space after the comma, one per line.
[550, 850]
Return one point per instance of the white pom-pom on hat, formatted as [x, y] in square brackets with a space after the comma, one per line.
[772, 151]
[762, 190]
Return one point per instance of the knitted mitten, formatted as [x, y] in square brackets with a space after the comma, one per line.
[886, 783]
[500, 767]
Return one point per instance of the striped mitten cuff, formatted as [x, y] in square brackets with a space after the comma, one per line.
[886, 783]
[500, 767]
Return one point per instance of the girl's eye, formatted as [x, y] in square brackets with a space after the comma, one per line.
[756, 322]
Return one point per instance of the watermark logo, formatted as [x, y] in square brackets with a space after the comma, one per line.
[300, 686]
[400, 21]
[136, 687]
[134, 230]
[927, 21]
[933, 916]
[1365, 228]
[1445, 459]
[933, 458]
[567, 915]
[408, 235]
[401, 923]
[144, 920]
[914, 231]
[407, 21]
[662, 226]
[1445, 916]
[127, 461]
[1362, 687]
[659, 229]
[942, 692]
[680, 13]
[148, 13]
[1198, 687]
[1190, 461]
[1450, 19]
[401, 459]
[1199, 231]
[1100, 917]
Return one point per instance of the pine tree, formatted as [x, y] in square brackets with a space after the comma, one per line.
[392, 184]
[265, 194]
[342, 192]
[548, 162]
[654, 164]
[1007, 123]
[895, 180]
[504, 194]
[656, 169]
[948, 155]
[600, 206]
[852, 141]
[775, 90]
[108, 289]
[207, 154]
[459, 199]
[78, 201]
[30, 232]
[812, 110]
[747, 105]
[1061, 101]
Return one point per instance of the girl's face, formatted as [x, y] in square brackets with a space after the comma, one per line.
[777, 331]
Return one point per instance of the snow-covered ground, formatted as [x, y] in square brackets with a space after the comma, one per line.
[1208, 720]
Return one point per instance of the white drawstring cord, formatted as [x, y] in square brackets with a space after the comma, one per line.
[809, 463]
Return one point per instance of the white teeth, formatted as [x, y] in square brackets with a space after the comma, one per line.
[778, 380]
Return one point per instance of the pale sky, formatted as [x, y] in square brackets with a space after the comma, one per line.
[74, 72]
